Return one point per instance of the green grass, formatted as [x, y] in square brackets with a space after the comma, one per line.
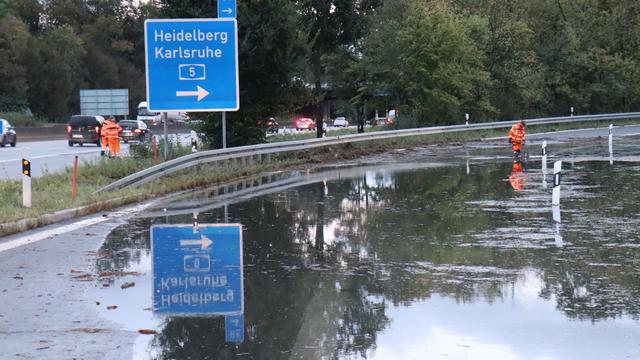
[52, 192]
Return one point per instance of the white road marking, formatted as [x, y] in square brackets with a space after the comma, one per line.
[53, 155]
[50, 233]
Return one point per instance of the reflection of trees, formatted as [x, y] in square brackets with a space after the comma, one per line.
[320, 268]
[125, 245]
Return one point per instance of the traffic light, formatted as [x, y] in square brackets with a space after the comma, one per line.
[26, 167]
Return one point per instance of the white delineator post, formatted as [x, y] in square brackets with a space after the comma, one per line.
[610, 139]
[555, 201]
[544, 155]
[26, 179]
[466, 119]
[557, 174]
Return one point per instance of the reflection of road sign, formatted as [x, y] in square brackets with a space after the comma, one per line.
[191, 278]
[197, 263]
[192, 72]
[192, 64]
[227, 8]
[234, 328]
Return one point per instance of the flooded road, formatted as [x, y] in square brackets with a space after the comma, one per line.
[428, 253]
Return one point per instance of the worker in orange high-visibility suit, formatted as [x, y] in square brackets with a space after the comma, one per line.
[517, 177]
[104, 140]
[113, 134]
[516, 137]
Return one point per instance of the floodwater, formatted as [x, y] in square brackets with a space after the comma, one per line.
[429, 253]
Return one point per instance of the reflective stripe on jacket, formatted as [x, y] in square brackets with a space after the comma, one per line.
[517, 134]
[113, 130]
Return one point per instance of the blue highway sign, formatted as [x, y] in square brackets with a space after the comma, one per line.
[192, 64]
[227, 8]
[197, 272]
[234, 328]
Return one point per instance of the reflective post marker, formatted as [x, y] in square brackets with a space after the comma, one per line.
[26, 179]
[557, 174]
[466, 119]
[74, 191]
[610, 139]
[544, 156]
[194, 141]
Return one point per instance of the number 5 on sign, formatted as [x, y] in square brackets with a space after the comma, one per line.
[192, 72]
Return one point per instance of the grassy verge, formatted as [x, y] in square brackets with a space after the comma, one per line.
[52, 192]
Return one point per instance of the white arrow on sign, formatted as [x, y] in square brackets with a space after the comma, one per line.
[200, 93]
[228, 11]
[205, 242]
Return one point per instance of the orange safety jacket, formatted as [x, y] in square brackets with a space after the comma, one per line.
[517, 133]
[113, 130]
[103, 130]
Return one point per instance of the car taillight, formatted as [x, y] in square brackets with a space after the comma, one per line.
[68, 128]
[137, 131]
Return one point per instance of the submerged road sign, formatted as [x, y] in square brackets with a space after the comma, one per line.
[197, 272]
[192, 64]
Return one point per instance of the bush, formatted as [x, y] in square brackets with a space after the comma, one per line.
[18, 118]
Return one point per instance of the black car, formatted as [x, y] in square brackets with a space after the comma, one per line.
[270, 125]
[7, 134]
[134, 130]
[84, 129]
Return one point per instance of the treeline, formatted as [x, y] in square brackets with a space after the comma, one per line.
[435, 60]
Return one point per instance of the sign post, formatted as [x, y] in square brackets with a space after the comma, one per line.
[226, 9]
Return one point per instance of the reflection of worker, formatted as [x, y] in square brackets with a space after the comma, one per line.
[517, 177]
[104, 141]
[113, 135]
[516, 137]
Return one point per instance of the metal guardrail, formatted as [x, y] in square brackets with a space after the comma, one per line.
[243, 152]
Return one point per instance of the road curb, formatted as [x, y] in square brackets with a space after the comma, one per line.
[15, 227]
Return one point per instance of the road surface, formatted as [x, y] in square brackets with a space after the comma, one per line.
[53, 156]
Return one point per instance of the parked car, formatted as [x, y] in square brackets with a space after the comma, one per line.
[340, 122]
[83, 129]
[7, 134]
[269, 125]
[134, 130]
[383, 121]
[305, 124]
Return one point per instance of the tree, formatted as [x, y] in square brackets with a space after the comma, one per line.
[332, 24]
[423, 55]
[56, 72]
[517, 88]
[14, 46]
[272, 51]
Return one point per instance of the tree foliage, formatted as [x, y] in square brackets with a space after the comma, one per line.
[434, 60]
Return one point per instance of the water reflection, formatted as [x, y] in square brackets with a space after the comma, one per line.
[420, 263]
[517, 176]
